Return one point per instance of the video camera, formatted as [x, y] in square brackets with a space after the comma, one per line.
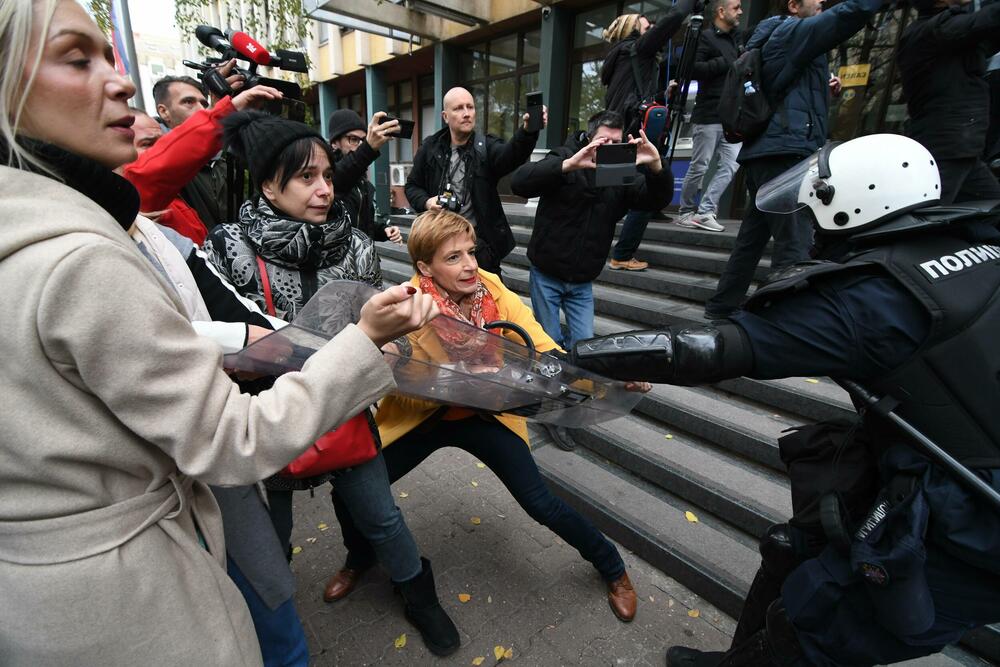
[239, 45]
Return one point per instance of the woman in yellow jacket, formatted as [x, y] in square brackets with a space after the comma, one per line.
[442, 247]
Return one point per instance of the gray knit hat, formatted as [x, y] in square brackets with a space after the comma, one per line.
[343, 121]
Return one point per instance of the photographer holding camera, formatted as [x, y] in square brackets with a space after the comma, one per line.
[355, 147]
[458, 168]
[942, 64]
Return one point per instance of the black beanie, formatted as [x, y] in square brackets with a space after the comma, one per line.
[343, 121]
[258, 138]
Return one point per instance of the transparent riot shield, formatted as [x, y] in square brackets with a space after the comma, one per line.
[449, 362]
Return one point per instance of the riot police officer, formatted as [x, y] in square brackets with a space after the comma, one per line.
[904, 300]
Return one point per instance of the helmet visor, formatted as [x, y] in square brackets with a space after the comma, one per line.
[786, 192]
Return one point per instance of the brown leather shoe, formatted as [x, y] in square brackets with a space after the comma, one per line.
[622, 598]
[629, 265]
[341, 584]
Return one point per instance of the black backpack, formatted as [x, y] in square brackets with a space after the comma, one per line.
[744, 107]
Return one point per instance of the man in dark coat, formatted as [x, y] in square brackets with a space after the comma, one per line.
[796, 78]
[636, 45]
[468, 165]
[355, 148]
[718, 47]
[942, 64]
[575, 222]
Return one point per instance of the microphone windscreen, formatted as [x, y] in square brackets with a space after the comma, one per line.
[249, 48]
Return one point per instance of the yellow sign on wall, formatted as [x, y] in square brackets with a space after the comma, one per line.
[854, 75]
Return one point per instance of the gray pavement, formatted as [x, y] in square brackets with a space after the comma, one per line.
[530, 593]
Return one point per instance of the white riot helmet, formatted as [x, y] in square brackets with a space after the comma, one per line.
[856, 184]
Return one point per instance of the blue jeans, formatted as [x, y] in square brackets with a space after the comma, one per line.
[510, 459]
[279, 631]
[631, 236]
[548, 295]
[364, 495]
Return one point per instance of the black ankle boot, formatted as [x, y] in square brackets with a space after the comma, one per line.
[424, 611]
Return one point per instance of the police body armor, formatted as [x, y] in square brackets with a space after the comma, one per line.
[950, 388]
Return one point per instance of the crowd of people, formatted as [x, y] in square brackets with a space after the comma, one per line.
[150, 485]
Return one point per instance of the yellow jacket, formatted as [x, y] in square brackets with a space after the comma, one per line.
[398, 415]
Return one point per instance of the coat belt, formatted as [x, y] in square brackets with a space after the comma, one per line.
[77, 536]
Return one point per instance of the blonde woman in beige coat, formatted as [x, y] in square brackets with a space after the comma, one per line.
[115, 414]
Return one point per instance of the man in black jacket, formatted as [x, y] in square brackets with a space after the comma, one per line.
[575, 224]
[718, 46]
[942, 63]
[468, 165]
[355, 148]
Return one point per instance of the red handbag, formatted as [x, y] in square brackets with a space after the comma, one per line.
[350, 444]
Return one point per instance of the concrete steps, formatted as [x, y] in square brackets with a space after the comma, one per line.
[720, 461]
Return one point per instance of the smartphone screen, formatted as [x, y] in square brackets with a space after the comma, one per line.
[616, 154]
[535, 111]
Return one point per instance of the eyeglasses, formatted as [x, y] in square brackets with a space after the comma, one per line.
[353, 140]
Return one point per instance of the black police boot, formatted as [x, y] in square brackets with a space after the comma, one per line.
[424, 610]
[778, 559]
[774, 646]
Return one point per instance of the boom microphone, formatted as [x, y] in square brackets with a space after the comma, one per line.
[249, 48]
[213, 38]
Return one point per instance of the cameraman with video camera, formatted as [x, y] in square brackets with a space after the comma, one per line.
[458, 168]
[942, 64]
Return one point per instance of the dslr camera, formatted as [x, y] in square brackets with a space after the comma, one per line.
[448, 200]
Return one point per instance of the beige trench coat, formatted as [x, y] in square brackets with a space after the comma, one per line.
[115, 415]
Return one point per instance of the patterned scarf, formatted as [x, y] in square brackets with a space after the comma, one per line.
[292, 243]
[460, 343]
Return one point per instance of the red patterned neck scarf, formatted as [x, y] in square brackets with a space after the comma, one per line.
[484, 310]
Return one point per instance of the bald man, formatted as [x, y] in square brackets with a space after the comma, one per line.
[464, 162]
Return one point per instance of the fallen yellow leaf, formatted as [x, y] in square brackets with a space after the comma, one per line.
[508, 654]
[322, 526]
[480, 465]
[478, 660]
[476, 520]
[400, 641]
[689, 515]
[464, 597]
[296, 550]
[498, 652]
[812, 380]
[669, 436]
[694, 613]
[474, 483]
[404, 494]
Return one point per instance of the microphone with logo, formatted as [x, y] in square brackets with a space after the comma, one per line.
[239, 45]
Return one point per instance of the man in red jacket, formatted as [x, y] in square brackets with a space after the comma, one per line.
[167, 162]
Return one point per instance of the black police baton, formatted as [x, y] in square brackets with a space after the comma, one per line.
[886, 406]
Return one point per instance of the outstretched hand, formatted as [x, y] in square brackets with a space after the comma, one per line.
[380, 131]
[396, 312]
[646, 152]
[586, 157]
[256, 97]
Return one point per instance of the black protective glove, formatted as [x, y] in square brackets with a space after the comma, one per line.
[684, 355]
